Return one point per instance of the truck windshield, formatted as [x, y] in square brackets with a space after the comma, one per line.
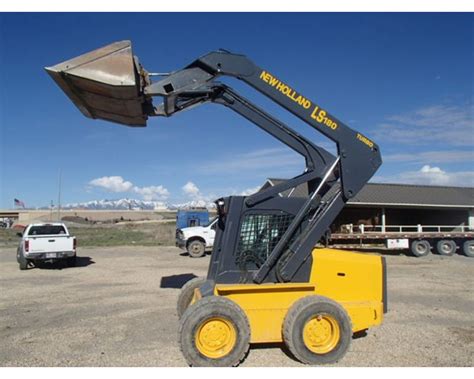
[41, 230]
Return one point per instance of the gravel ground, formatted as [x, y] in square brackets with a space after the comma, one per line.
[118, 309]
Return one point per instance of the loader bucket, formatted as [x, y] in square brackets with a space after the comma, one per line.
[106, 84]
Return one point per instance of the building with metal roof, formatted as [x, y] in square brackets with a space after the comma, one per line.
[389, 204]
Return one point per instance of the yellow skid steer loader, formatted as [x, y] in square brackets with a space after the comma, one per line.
[267, 282]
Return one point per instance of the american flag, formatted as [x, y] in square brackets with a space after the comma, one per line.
[19, 203]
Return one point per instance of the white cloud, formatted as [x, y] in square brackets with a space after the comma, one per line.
[431, 175]
[152, 192]
[112, 184]
[452, 125]
[118, 184]
[190, 189]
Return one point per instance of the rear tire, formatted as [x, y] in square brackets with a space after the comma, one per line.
[23, 265]
[187, 293]
[214, 332]
[196, 249]
[446, 247]
[317, 330]
[420, 248]
[468, 248]
[22, 261]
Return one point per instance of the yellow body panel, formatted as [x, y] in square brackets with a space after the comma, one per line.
[353, 280]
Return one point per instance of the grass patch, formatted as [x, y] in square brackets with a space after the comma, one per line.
[8, 238]
[154, 234]
[120, 235]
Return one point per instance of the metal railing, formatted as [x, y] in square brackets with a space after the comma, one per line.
[367, 229]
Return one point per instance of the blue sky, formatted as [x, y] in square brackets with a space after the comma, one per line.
[405, 80]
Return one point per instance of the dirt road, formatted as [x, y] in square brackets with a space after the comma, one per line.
[118, 309]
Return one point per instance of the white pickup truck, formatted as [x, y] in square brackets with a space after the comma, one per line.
[46, 242]
[197, 239]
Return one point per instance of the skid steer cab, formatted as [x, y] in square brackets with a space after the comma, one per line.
[266, 280]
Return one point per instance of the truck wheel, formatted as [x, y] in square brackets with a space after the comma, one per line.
[420, 248]
[446, 247]
[214, 332]
[196, 249]
[22, 261]
[23, 264]
[468, 248]
[317, 330]
[187, 293]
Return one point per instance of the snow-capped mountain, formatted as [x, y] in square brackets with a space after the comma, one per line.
[134, 204]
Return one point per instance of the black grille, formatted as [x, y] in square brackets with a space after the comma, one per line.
[258, 236]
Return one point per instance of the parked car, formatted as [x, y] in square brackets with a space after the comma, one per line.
[46, 242]
[197, 239]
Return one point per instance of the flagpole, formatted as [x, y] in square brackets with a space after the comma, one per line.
[59, 197]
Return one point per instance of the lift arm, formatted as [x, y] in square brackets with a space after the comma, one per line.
[360, 157]
[110, 84]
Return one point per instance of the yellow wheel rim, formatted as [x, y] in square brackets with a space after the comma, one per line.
[321, 334]
[216, 337]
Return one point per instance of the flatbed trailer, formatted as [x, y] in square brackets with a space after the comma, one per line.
[419, 239]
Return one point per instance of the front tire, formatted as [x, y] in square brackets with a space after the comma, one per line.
[187, 293]
[214, 332]
[317, 330]
[196, 249]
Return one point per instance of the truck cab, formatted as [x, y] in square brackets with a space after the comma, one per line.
[196, 240]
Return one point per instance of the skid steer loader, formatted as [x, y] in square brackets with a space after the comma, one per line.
[267, 282]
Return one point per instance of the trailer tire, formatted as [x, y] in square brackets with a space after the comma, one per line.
[187, 293]
[196, 249]
[420, 248]
[214, 332]
[317, 330]
[468, 248]
[446, 247]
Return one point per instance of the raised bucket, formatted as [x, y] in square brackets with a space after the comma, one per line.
[106, 84]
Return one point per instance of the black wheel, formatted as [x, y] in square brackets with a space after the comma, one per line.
[196, 249]
[420, 248]
[71, 261]
[468, 248]
[317, 330]
[215, 332]
[187, 293]
[446, 247]
[22, 261]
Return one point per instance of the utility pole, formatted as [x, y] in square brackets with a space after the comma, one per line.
[59, 197]
[51, 211]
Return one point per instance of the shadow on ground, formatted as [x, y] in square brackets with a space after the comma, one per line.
[186, 254]
[176, 281]
[62, 264]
